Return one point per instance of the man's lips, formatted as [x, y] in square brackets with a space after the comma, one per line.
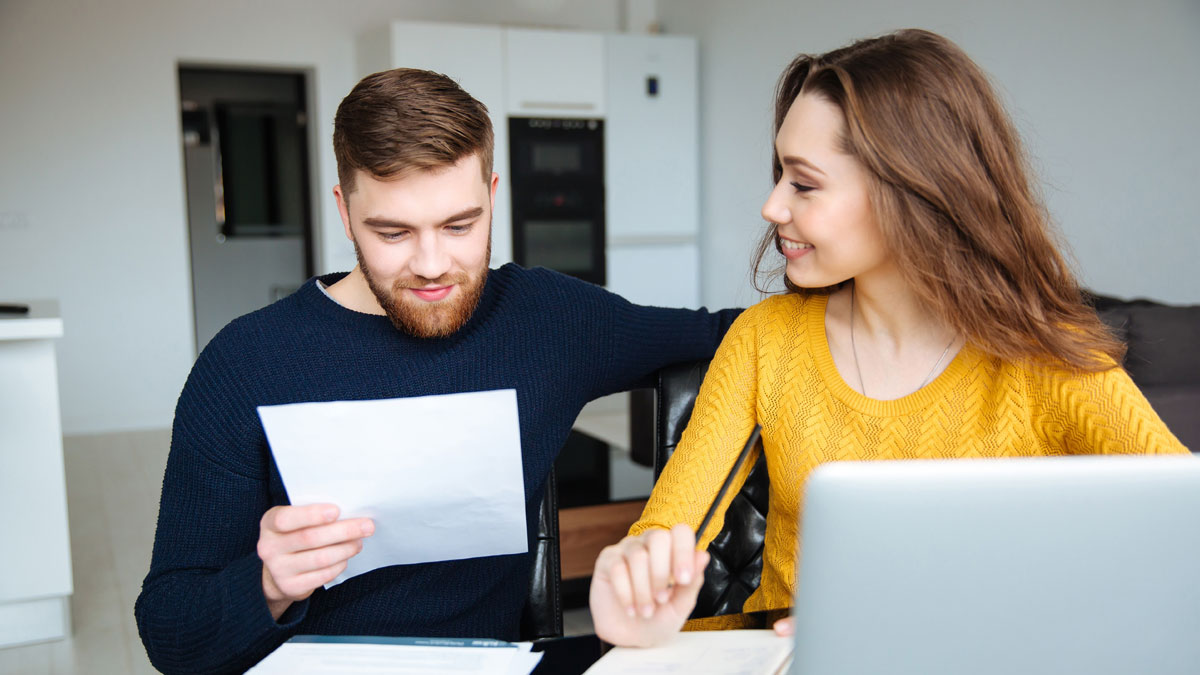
[432, 293]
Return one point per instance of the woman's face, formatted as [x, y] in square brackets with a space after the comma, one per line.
[825, 222]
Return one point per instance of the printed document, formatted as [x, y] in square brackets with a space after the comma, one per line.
[338, 655]
[440, 475]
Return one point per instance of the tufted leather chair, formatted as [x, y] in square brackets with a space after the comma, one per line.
[736, 566]
[542, 615]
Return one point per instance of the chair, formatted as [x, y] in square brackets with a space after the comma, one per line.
[542, 616]
[736, 567]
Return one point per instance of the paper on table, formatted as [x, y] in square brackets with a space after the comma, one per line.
[332, 655]
[724, 652]
[440, 475]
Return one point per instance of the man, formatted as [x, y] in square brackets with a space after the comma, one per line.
[236, 570]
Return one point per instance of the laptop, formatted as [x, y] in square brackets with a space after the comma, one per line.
[1015, 566]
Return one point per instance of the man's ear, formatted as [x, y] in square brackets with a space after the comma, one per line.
[492, 189]
[343, 210]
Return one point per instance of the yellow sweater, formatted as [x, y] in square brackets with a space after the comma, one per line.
[774, 367]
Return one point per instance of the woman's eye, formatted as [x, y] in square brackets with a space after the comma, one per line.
[801, 187]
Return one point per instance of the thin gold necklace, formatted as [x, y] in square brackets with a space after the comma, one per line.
[854, 350]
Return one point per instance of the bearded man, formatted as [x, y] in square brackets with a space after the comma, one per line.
[236, 568]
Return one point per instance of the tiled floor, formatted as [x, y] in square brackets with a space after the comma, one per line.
[113, 484]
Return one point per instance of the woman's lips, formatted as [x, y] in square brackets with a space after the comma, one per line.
[793, 249]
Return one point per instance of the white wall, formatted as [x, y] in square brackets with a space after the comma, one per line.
[92, 207]
[1105, 92]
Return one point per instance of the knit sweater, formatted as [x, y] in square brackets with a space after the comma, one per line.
[774, 368]
[557, 341]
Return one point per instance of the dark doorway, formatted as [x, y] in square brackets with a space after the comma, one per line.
[247, 167]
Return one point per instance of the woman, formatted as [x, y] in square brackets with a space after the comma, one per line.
[928, 315]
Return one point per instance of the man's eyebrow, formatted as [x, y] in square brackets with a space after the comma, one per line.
[800, 161]
[467, 214]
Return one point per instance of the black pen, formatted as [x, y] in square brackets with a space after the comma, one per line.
[729, 479]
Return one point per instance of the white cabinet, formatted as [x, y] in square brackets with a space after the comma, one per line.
[471, 55]
[35, 572]
[651, 138]
[660, 275]
[644, 87]
[554, 73]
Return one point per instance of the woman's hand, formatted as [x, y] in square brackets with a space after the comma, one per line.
[644, 587]
[785, 626]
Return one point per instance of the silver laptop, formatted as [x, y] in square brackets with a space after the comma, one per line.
[1022, 566]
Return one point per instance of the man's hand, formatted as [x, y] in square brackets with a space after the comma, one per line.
[644, 587]
[304, 547]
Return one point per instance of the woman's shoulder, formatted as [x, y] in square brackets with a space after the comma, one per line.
[783, 311]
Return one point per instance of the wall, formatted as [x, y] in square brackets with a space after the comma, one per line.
[1105, 93]
[92, 208]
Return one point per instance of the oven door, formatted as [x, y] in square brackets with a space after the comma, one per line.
[557, 169]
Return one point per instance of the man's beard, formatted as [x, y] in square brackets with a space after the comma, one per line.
[429, 319]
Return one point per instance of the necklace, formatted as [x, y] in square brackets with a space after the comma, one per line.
[854, 351]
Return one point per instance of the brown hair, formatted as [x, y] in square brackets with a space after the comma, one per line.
[949, 186]
[404, 120]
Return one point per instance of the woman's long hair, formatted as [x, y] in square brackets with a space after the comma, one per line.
[949, 187]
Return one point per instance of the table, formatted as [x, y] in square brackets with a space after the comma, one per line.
[35, 586]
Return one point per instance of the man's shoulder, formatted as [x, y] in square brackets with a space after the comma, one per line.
[270, 329]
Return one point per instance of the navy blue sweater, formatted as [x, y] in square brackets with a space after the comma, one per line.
[557, 341]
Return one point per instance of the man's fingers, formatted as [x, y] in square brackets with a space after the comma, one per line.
[326, 535]
[302, 586]
[292, 518]
[304, 562]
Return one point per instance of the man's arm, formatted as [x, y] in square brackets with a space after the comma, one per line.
[640, 340]
[202, 606]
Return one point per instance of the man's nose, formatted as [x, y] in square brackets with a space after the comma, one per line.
[430, 259]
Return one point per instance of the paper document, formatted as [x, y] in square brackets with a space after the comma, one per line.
[440, 475]
[724, 652]
[336, 655]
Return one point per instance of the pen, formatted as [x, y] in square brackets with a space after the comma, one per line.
[729, 479]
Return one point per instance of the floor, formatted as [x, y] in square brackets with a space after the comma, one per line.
[113, 485]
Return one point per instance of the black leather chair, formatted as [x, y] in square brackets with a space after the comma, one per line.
[542, 616]
[736, 567]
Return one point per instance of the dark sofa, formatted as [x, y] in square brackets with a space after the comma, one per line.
[1163, 358]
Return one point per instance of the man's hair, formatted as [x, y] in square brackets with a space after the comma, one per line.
[403, 120]
[949, 186]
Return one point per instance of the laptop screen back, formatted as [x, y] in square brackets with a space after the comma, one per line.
[1048, 565]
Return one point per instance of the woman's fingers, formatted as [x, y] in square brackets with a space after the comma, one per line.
[658, 546]
[785, 626]
[683, 545]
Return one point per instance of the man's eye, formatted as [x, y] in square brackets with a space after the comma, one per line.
[391, 236]
[459, 229]
[802, 188]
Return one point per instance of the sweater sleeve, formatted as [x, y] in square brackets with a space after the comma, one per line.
[201, 608]
[640, 340]
[724, 416]
[1097, 413]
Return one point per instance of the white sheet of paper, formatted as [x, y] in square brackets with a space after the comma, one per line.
[339, 656]
[440, 475]
[723, 652]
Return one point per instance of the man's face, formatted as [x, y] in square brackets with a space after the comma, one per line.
[423, 242]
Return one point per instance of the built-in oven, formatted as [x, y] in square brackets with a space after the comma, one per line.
[557, 173]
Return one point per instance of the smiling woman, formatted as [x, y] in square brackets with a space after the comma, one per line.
[927, 315]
